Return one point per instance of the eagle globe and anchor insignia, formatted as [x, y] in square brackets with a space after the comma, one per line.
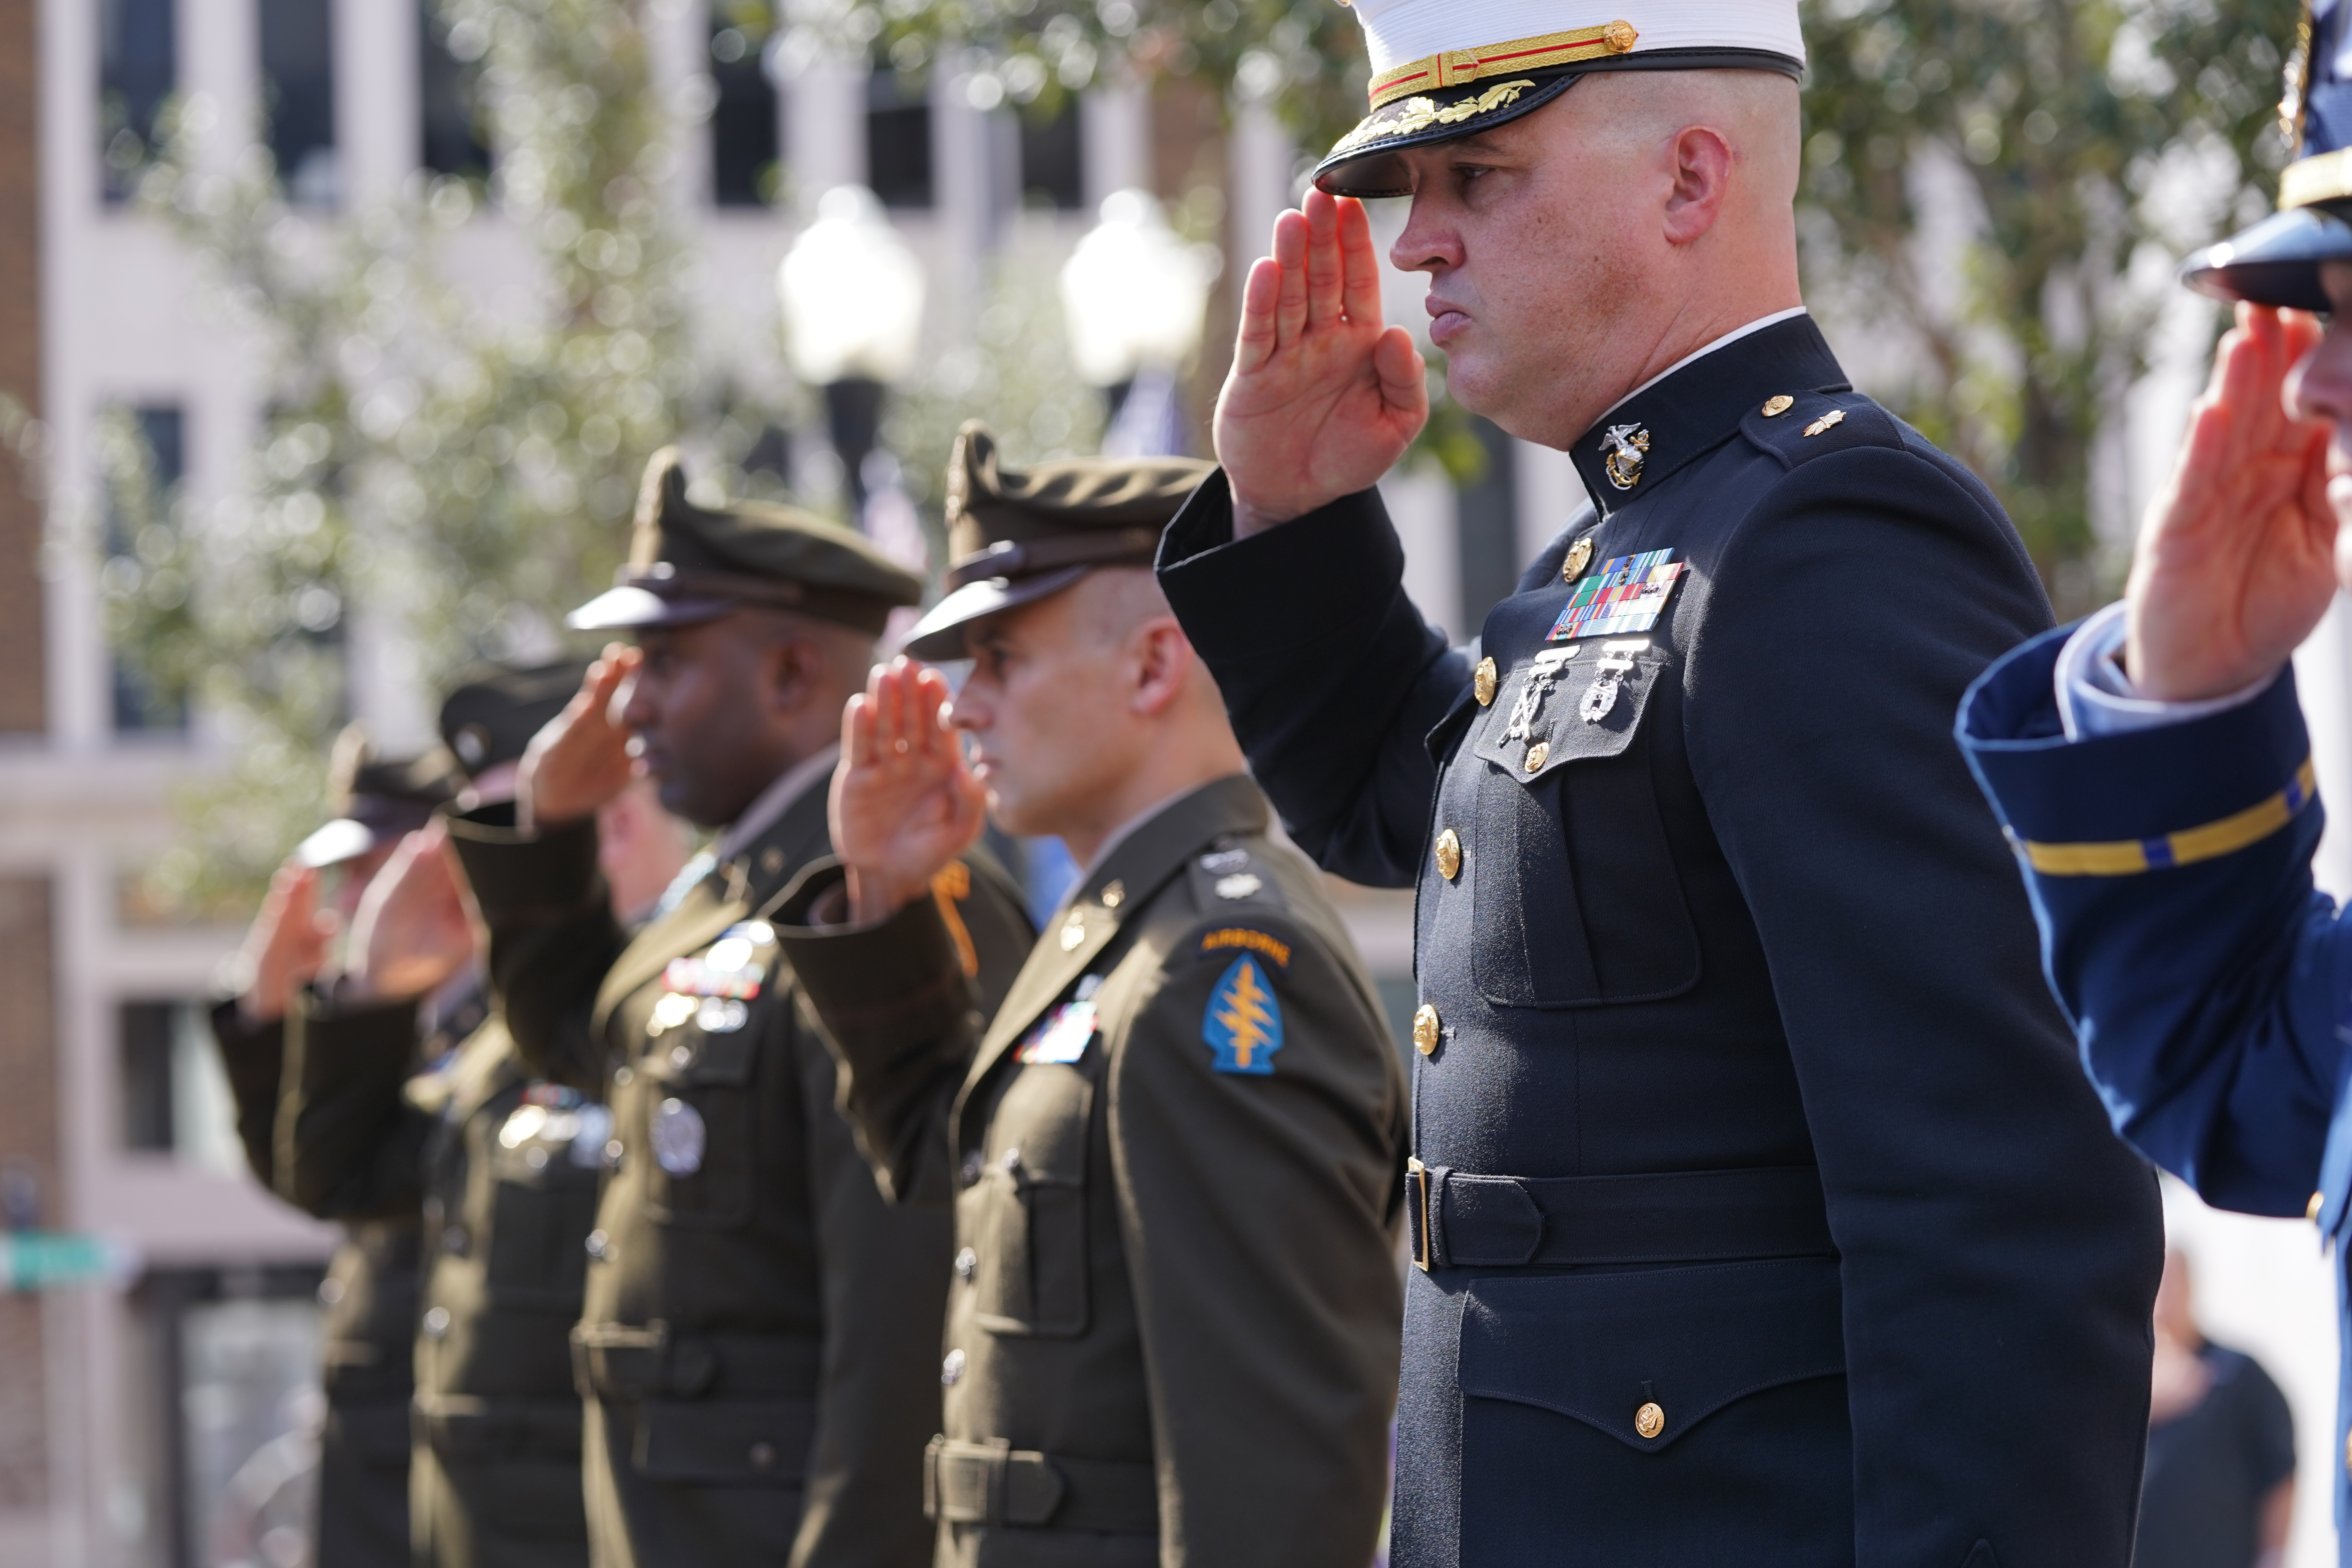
[1627, 445]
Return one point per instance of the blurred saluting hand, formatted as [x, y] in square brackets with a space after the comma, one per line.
[904, 803]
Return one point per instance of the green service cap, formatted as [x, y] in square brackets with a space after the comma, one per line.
[374, 798]
[1018, 535]
[493, 714]
[690, 562]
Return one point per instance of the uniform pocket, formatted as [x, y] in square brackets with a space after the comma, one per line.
[725, 1441]
[1573, 888]
[697, 1101]
[1032, 1256]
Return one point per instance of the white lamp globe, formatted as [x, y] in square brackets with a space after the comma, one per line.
[1133, 294]
[851, 294]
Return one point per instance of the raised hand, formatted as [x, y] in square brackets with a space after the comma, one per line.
[1321, 400]
[410, 932]
[903, 802]
[580, 760]
[2236, 561]
[286, 944]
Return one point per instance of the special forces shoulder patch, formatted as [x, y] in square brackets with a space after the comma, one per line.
[1243, 1023]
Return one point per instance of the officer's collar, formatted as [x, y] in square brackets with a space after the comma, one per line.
[1693, 408]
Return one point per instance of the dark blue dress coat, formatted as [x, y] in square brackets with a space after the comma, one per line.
[2208, 982]
[1762, 1215]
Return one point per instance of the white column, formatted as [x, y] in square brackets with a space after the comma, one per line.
[1114, 133]
[1421, 504]
[1549, 492]
[74, 641]
[677, 56]
[379, 113]
[220, 58]
[2323, 675]
[825, 126]
[1259, 154]
[965, 151]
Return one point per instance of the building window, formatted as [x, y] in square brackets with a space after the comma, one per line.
[175, 1093]
[897, 140]
[137, 503]
[137, 65]
[449, 87]
[297, 86]
[1052, 167]
[744, 151]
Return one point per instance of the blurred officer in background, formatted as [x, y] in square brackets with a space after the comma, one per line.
[1174, 1153]
[370, 1289]
[2219, 1491]
[760, 1329]
[502, 1165]
[1761, 1215]
[2152, 766]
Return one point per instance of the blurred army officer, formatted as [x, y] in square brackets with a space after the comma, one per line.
[1173, 1153]
[1761, 1215]
[502, 1165]
[370, 1291]
[759, 1327]
[2152, 764]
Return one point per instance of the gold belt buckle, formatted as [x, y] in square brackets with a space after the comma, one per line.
[1417, 1174]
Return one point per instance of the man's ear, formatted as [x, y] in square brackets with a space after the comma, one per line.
[1703, 163]
[1163, 657]
[790, 670]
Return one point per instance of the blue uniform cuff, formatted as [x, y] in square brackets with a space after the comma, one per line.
[1239, 597]
[2138, 800]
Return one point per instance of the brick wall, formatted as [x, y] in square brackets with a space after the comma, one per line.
[28, 1147]
[23, 704]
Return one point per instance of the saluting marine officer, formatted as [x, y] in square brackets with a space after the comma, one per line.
[502, 1165]
[1173, 1153]
[1760, 1212]
[2152, 766]
[369, 1291]
[759, 1327]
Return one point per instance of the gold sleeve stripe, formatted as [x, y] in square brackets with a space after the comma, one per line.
[2129, 857]
[1456, 66]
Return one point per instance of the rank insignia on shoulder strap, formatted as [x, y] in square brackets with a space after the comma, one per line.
[1626, 595]
[1243, 1023]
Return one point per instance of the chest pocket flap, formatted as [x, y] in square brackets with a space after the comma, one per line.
[1590, 705]
[1032, 1262]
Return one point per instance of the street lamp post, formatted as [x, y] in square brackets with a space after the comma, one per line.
[1134, 297]
[853, 300]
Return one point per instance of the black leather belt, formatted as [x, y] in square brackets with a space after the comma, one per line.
[626, 1361]
[1459, 1219]
[994, 1483]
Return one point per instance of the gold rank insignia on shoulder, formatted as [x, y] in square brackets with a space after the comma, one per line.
[1580, 556]
[1482, 682]
[1626, 445]
[1780, 402]
[1829, 421]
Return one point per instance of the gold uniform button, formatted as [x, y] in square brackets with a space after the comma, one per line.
[1536, 755]
[1482, 681]
[1580, 556]
[1449, 855]
[1424, 1030]
[2318, 1200]
[1780, 402]
[1114, 893]
[1648, 1420]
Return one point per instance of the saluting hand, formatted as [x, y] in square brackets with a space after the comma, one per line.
[904, 803]
[2236, 561]
[410, 932]
[1321, 400]
[287, 944]
[580, 760]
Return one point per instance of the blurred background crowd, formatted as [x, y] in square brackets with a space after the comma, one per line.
[335, 334]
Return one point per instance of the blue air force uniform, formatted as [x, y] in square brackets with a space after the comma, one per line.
[2167, 847]
[1760, 1212]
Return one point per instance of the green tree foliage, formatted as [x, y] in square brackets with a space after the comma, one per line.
[2092, 143]
[460, 469]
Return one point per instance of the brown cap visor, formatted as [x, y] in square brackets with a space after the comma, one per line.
[662, 595]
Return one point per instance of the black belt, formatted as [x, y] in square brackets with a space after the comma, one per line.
[994, 1483]
[471, 1428]
[1459, 1219]
[625, 1361]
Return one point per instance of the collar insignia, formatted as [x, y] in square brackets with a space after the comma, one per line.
[1626, 445]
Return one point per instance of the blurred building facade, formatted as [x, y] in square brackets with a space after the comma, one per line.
[126, 1412]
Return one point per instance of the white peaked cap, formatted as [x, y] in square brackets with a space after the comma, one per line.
[1397, 31]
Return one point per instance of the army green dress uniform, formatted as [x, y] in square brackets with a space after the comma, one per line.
[370, 1293]
[758, 1329]
[1174, 1157]
[502, 1167]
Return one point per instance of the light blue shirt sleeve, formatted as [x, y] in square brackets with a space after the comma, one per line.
[2097, 698]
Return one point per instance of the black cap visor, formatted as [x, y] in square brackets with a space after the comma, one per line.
[1363, 163]
[2276, 262]
[939, 636]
